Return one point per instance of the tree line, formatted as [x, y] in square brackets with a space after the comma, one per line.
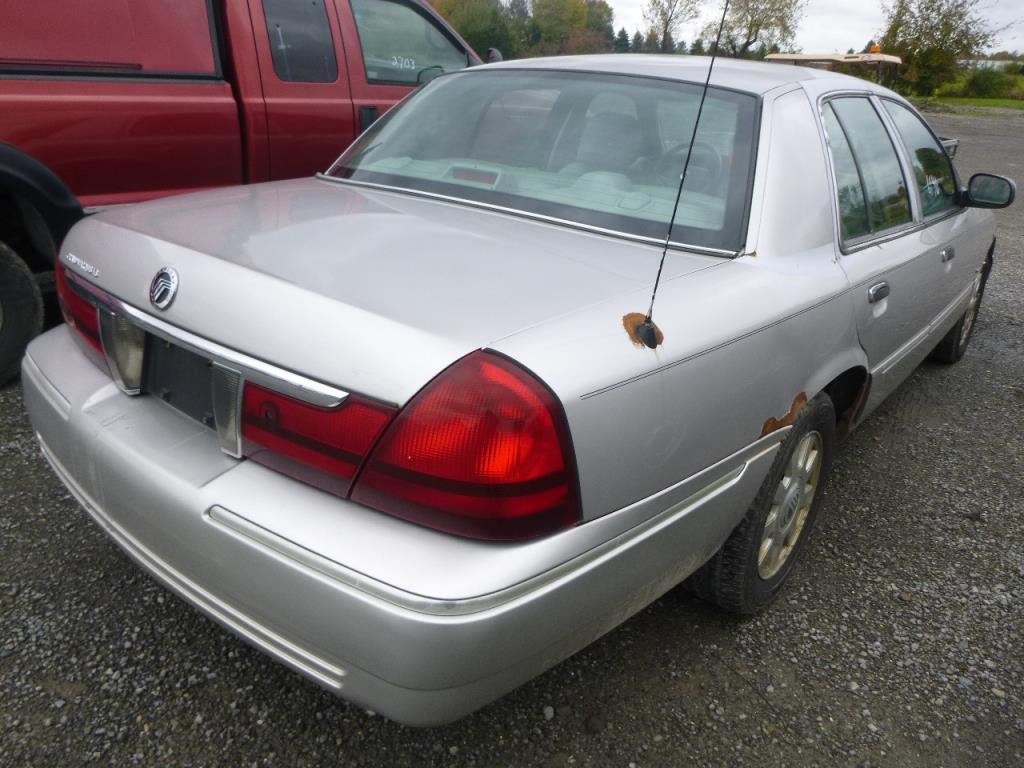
[521, 28]
[931, 36]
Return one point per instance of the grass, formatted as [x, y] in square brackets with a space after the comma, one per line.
[964, 101]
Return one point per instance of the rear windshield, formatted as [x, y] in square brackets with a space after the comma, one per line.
[597, 150]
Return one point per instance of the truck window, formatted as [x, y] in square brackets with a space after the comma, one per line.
[159, 37]
[300, 41]
[402, 44]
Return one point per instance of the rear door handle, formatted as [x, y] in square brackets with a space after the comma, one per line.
[948, 253]
[877, 292]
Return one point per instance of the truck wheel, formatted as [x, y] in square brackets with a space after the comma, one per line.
[21, 311]
[954, 343]
[746, 574]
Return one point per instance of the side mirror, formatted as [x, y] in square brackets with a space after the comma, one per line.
[986, 190]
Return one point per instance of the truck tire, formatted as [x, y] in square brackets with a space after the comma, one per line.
[21, 311]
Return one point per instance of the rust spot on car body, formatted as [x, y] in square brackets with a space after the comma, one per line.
[632, 322]
[799, 402]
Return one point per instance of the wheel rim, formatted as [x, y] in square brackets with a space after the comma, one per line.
[972, 312]
[791, 505]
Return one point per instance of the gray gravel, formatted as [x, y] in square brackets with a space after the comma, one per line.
[898, 643]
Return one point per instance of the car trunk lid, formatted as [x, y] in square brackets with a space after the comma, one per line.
[370, 291]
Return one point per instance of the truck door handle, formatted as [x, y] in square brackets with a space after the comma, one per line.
[367, 117]
[877, 292]
[948, 253]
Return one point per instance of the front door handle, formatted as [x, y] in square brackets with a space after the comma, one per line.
[877, 292]
[948, 253]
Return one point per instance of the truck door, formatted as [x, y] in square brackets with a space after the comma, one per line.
[393, 47]
[302, 68]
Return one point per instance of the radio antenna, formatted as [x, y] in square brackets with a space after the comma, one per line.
[641, 328]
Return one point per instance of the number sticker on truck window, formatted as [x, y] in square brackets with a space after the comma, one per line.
[402, 62]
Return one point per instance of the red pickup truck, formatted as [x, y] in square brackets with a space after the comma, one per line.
[106, 102]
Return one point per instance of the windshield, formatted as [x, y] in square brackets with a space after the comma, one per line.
[598, 150]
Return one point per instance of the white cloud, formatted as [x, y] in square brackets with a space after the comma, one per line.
[835, 25]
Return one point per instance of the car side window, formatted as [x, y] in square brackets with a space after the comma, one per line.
[853, 205]
[300, 41]
[888, 202]
[934, 172]
[402, 44]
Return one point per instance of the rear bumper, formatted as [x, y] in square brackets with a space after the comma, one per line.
[160, 487]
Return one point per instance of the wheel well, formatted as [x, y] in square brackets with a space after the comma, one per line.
[36, 208]
[23, 228]
[848, 391]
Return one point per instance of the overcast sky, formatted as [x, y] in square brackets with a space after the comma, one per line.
[836, 25]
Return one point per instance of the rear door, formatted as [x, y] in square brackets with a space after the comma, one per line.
[897, 284]
[393, 47]
[310, 118]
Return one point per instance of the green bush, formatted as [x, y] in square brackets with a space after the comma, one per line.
[988, 84]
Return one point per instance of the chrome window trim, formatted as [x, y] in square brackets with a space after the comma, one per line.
[700, 249]
[250, 368]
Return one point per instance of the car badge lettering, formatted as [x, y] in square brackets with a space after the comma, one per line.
[163, 288]
[82, 264]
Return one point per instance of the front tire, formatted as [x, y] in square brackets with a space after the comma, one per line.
[21, 311]
[746, 574]
[954, 344]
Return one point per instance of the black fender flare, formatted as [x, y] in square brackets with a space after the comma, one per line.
[30, 181]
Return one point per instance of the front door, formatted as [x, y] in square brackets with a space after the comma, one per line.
[394, 46]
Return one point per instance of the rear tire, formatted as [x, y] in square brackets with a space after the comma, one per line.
[954, 344]
[21, 311]
[746, 574]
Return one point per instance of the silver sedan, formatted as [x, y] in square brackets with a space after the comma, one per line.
[412, 428]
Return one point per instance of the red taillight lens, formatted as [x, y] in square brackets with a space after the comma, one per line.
[79, 313]
[482, 451]
[320, 446]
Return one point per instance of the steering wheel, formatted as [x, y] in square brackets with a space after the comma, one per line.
[705, 165]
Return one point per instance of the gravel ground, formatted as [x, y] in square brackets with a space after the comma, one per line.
[899, 641]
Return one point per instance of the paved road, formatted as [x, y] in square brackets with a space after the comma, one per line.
[899, 642]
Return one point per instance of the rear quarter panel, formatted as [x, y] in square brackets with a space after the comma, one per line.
[743, 338]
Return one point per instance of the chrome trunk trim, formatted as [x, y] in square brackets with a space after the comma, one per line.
[250, 368]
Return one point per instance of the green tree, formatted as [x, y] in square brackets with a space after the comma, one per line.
[751, 24]
[681, 48]
[697, 49]
[930, 36]
[622, 41]
[668, 44]
[557, 19]
[637, 46]
[481, 22]
[664, 17]
[522, 31]
[652, 43]
[599, 19]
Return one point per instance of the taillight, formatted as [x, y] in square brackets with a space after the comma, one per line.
[482, 451]
[320, 446]
[79, 313]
